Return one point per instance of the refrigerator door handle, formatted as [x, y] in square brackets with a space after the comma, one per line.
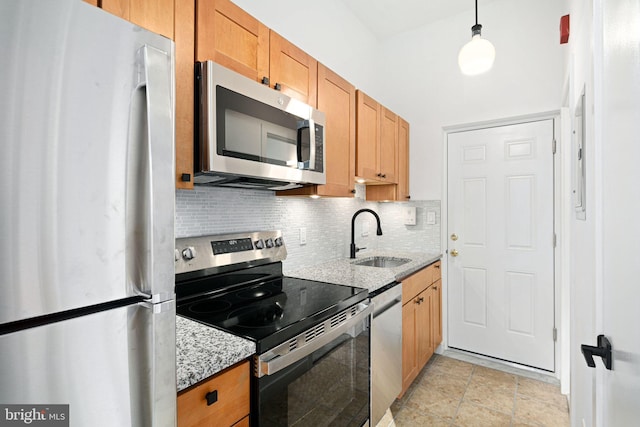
[150, 194]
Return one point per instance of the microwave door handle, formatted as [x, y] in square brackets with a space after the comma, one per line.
[302, 125]
[150, 173]
[312, 145]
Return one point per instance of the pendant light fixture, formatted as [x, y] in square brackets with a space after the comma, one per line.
[477, 56]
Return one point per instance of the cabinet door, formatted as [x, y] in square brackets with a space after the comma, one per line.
[293, 69]
[154, 15]
[409, 359]
[403, 161]
[184, 38]
[388, 146]
[367, 136]
[436, 313]
[231, 37]
[230, 404]
[337, 99]
[424, 337]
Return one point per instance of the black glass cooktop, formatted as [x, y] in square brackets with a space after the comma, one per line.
[268, 311]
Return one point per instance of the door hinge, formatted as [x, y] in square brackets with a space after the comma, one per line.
[555, 334]
[554, 146]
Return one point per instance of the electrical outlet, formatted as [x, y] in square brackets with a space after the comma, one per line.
[303, 235]
[365, 228]
[410, 215]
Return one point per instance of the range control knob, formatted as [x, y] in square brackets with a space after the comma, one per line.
[269, 242]
[189, 253]
[259, 244]
[279, 241]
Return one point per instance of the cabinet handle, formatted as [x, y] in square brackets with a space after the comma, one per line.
[407, 197]
[186, 177]
[277, 86]
[353, 191]
[435, 288]
[380, 175]
[416, 301]
[384, 175]
[265, 80]
[212, 397]
[437, 266]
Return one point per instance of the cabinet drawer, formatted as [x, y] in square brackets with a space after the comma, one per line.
[419, 281]
[436, 272]
[231, 405]
[416, 283]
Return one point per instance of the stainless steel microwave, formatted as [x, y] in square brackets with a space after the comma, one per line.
[252, 136]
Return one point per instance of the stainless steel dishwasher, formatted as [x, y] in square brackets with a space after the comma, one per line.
[386, 349]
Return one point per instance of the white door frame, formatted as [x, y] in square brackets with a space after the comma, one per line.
[562, 192]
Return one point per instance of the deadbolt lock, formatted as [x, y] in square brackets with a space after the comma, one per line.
[454, 237]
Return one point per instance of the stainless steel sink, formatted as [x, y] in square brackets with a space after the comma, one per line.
[382, 261]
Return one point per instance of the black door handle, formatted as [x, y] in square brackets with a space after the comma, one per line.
[603, 350]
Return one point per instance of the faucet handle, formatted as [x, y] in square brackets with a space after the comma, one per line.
[359, 249]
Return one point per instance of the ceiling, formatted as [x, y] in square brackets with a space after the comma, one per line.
[386, 18]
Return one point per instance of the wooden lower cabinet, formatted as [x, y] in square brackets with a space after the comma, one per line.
[436, 313]
[228, 395]
[243, 422]
[421, 321]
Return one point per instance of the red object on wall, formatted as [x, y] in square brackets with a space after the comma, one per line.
[564, 29]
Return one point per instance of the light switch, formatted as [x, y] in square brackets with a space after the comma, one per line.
[431, 217]
[303, 235]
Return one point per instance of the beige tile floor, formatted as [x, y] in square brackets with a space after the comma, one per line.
[450, 392]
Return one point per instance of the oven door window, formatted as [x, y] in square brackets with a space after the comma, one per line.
[330, 387]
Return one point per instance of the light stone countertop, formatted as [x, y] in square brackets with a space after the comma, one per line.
[203, 351]
[344, 272]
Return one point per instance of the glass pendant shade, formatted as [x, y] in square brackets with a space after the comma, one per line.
[477, 56]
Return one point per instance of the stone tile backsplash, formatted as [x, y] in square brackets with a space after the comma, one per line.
[211, 210]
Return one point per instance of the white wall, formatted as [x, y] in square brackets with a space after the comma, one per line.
[423, 82]
[583, 233]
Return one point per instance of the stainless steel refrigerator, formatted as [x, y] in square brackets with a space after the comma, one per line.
[87, 309]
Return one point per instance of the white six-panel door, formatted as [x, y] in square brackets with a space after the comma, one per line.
[500, 222]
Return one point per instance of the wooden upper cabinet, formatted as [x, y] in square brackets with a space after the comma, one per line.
[337, 99]
[231, 37]
[403, 160]
[295, 71]
[388, 146]
[367, 136]
[154, 15]
[184, 38]
[376, 142]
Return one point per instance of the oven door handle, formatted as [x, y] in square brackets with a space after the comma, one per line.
[270, 363]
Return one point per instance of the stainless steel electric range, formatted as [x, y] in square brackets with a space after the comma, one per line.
[312, 338]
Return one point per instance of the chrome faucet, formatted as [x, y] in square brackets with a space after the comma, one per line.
[353, 248]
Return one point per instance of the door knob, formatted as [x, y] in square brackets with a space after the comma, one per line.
[454, 237]
[454, 252]
[602, 350]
